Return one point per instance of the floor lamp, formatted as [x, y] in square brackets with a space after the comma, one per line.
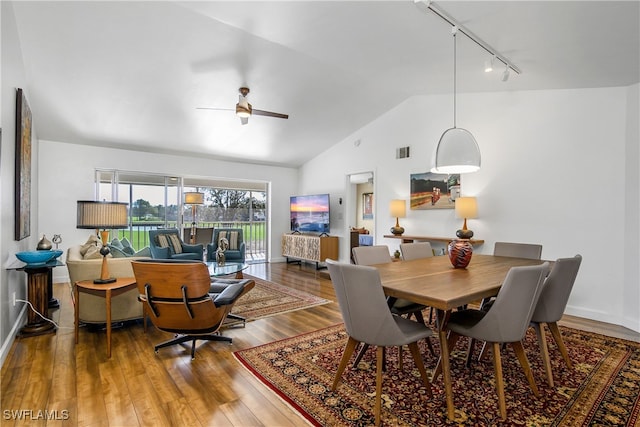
[102, 216]
[194, 199]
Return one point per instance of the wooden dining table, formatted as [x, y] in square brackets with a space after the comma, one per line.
[435, 283]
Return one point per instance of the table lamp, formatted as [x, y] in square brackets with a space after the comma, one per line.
[194, 199]
[399, 210]
[466, 207]
[105, 216]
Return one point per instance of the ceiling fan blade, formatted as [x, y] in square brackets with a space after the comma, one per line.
[244, 120]
[269, 114]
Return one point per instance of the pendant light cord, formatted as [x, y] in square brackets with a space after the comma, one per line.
[455, 31]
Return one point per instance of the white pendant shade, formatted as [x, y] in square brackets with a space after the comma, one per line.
[457, 152]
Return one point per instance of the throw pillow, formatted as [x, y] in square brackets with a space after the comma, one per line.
[93, 241]
[117, 252]
[171, 241]
[232, 238]
[127, 248]
[116, 243]
[175, 242]
[145, 252]
[93, 252]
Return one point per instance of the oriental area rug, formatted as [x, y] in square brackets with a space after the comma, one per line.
[269, 299]
[602, 389]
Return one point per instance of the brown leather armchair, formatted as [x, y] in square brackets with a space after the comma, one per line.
[175, 295]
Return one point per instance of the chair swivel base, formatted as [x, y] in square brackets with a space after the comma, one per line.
[179, 339]
[234, 320]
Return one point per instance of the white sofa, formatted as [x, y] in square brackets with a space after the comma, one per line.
[92, 307]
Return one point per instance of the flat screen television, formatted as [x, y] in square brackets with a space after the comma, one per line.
[309, 214]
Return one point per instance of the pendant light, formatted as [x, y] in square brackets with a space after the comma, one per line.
[457, 150]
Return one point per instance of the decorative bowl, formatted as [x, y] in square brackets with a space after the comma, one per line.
[57, 254]
[37, 257]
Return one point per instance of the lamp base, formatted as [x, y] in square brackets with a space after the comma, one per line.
[464, 234]
[104, 281]
[397, 231]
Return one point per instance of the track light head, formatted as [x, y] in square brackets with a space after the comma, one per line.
[505, 74]
[488, 64]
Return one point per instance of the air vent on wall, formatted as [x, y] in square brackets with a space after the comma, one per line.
[402, 153]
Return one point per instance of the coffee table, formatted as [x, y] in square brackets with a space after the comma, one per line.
[227, 269]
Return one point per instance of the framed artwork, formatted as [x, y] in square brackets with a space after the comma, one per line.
[22, 168]
[434, 191]
[367, 205]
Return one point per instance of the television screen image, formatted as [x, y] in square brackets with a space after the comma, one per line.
[310, 214]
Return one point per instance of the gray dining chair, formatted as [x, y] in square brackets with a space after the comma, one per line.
[368, 320]
[379, 254]
[509, 249]
[417, 250]
[551, 306]
[518, 250]
[506, 321]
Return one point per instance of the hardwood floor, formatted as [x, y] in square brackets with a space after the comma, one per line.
[79, 386]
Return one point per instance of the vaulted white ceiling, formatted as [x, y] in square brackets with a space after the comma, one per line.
[131, 74]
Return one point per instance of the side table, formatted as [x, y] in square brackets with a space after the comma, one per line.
[107, 290]
[39, 294]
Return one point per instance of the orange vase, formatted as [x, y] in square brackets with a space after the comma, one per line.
[460, 251]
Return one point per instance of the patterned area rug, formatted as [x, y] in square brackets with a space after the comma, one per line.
[603, 388]
[268, 299]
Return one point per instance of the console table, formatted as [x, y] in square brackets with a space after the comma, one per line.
[445, 240]
[309, 248]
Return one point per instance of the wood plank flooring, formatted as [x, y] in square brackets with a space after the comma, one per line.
[79, 386]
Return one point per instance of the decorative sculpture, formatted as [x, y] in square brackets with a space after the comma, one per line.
[223, 245]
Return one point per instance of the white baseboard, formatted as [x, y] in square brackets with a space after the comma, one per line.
[11, 337]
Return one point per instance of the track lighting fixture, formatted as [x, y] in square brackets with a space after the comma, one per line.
[428, 5]
[505, 74]
[488, 64]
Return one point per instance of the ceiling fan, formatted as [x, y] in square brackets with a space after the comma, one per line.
[244, 110]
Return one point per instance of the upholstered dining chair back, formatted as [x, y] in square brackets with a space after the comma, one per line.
[518, 250]
[550, 308]
[416, 250]
[557, 289]
[367, 320]
[370, 255]
[363, 304]
[508, 319]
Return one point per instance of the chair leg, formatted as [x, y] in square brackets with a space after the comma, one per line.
[544, 351]
[415, 352]
[483, 351]
[361, 353]
[346, 355]
[378, 403]
[472, 344]
[522, 357]
[400, 357]
[557, 336]
[497, 366]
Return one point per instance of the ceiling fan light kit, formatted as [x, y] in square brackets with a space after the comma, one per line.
[244, 110]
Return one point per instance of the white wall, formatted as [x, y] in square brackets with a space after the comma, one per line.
[13, 77]
[632, 211]
[553, 172]
[67, 176]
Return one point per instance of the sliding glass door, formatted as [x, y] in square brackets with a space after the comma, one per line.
[158, 201]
